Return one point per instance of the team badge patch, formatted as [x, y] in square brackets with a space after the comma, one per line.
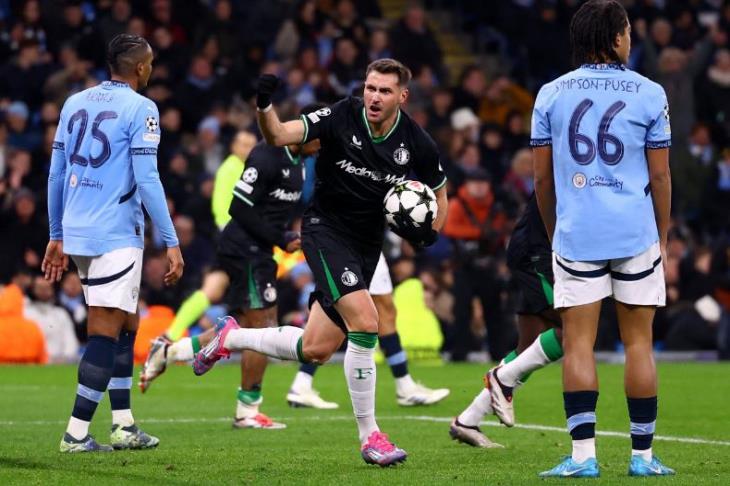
[73, 180]
[349, 278]
[250, 175]
[579, 180]
[401, 155]
[151, 124]
[270, 294]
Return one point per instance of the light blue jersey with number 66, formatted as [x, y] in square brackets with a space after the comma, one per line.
[103, 167]
[600, 119]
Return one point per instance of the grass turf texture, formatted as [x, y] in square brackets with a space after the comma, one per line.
[192, 418]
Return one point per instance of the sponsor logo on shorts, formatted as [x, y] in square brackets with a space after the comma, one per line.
[270, 293]
[349, 278]
[579, 180]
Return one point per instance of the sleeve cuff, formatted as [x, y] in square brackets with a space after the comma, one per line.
[660, 144]
[440, 185]
[540, 142]
[306, 130]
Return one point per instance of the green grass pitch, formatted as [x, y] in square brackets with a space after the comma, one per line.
[192, 417]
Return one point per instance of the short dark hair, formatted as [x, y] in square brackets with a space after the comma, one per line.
[124, 52]
[593, 30]
[391, 66]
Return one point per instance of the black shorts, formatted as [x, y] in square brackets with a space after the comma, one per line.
[252, 281]
[534, 277]
[340, 264]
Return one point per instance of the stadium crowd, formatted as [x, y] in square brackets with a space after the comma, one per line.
[208, 55]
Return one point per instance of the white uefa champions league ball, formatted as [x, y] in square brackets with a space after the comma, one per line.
[410, 199]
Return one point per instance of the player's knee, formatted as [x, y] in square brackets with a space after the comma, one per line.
[317, 354]
[365, 322]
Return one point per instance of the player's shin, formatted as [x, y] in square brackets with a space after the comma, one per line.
[95, 371]
[283, 342]
[475, 412]
[360, 375]
[580, 411]
[642, 413]
[397, 360]
[121, 381]
[543, 351]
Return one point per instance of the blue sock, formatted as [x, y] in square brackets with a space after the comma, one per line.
[394, 354]
[580, 410]
[95, 370]
[642, 413]
[121, 381]
[308, 368]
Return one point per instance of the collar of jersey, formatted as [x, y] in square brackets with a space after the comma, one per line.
[381, 138]
[113, 83]
[602, 66]
[294, 160]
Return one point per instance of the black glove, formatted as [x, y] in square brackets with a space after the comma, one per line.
[266, 86]
[419, 236]
[287, 238]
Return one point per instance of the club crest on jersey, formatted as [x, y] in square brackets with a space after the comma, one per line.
[349, 278]
[579, 180]
[250, 175]
[151, 124]
[401, 155]
[73, 180]
[270, 293]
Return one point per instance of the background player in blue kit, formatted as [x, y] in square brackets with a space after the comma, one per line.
[601, 138]
[103, 167]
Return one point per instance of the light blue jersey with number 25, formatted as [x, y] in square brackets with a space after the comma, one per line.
[600, 119]
[103, 167]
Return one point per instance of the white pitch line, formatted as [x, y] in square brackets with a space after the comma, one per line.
[419, 418]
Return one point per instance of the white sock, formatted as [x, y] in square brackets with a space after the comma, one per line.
[584, 449]
[181, 350]
[360, 375]
[302, 382]
[277, 342]
[246, 410]
[646, 454]
[403, 384]
[78, 429]
[122, 417]
[474, 413]
[529, 360]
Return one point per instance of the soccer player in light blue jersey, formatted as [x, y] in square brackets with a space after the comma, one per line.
[601, 138]
[103, 168]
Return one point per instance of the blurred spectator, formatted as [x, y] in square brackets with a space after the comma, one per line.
[502, 98]
[197, 252]
[170, 58]
[413, 42]
[347, 69]
[20, 134]
[476, 227]
[22, 339]
[379, 46]
[519, 180]
[23, 79]
[74, 76]
[24, 234]
[349, 22]
[471, 89]
[716, 200]
[76, 31]
[58, 329]
[115, 21]
[202, 86]
[300, 31]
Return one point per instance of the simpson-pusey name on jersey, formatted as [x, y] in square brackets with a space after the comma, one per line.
[599, 84]
[376, 176]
